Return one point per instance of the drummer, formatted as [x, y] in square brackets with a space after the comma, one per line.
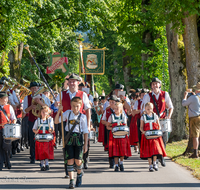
[160, 99]
[28, 106]
[7, 115]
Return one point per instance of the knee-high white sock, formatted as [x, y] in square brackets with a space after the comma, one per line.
[46, 162]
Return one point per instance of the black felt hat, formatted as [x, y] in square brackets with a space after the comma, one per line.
[32, 84]
[81, 84]
[144, 90]
[137, 90]
[103, 97]
[95, 99]
[3, 94]
[113, 97]
[1, 82]
[155, 79]
[74, 76]
[119, 86]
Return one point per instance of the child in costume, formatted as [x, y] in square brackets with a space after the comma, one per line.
[44, 151]
[74, 146]
[151, 147]
[118, 147]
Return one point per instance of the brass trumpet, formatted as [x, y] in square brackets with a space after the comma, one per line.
[14, 83]
[38, 106]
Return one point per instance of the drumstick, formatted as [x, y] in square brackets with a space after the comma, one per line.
[62, 120]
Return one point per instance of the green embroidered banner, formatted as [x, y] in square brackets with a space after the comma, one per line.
[93, 60]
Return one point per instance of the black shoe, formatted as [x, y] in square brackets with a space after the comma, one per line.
[13, 151]
[56, 146]
[151, 169]
[155, 167]
[79, 180]
[42, 168]
[47, 167]
[32, 162]
[116, 168]
[71, 184]
[85, 165]
[8, 165]
[22, 148]
[67, 176]
[0, 169]
[18, 150]
[27, 146]
[121, 167]
[162, 161]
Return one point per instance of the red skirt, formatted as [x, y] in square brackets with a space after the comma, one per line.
[151, 147]
[133, 137]
[101, 132]
[119, 147]
[44, 150]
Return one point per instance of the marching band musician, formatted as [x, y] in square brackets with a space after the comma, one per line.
[76, 125]
[7, 115]
[28, 106]
[151, 148]
[44, 151]
[118, 147]
[160, 99]
[66, 96]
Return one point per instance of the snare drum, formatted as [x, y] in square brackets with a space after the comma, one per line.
[153, 134]
[12, 132]
[166, 125]
[44, 137]
[120, 130]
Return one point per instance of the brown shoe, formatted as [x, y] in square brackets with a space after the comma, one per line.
[194, 156]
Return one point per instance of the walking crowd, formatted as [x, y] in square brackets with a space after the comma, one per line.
[139, 119]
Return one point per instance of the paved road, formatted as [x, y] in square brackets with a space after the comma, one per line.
[24, 175]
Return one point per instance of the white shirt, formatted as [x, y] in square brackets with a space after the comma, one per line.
[15, 99]
[83, 122]
[12, 113]
[11, 100]
[71, 95]
[91, 98]
[110, 119]
[156, 117]
[25, 103]
[168, 101]
[107, 104]
[35, 126]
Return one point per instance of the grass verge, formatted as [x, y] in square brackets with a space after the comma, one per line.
[175, 150]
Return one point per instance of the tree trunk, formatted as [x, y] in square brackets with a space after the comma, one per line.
[146, 40]
[15, 61]
[126, 71]
[191, 42]
[177, 73]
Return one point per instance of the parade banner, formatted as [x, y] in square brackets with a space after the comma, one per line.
[57, 63]
[92, 61]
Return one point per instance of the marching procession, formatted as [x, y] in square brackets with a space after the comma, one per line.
[36, 118]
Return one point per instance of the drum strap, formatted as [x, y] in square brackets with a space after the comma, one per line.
[77, 122]
[4, 112]
[156, 106]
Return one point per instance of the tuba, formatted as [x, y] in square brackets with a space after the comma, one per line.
[26, 83]
[24, 92]
[14, 83]
[38, 106]
[5, 87]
